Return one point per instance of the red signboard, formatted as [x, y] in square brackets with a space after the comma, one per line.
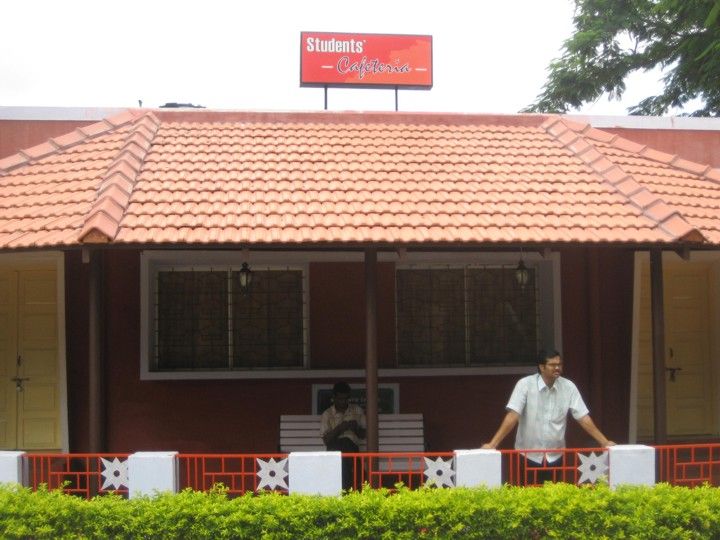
[365, 60]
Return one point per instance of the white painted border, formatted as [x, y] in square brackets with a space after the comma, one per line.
[689, 123]
[9, 112]
[339, 373]
[149, 258]
[59, 113]
[56, 259]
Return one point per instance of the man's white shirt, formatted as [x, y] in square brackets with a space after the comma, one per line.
[331, 418]
[543, 414]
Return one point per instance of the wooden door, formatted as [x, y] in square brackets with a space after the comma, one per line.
[689, 375]
[30, 399]
[8, 356]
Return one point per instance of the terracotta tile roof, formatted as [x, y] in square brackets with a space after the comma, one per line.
[213, 178]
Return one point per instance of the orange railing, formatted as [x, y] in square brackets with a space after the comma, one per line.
[86, 475]
[411, 469]
[570, 465]
[689, 464]
[238, 473]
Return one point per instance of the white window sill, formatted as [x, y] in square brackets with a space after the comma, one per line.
[335, 373]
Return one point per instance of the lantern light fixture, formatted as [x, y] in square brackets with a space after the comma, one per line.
[246, 277]
[522, 274]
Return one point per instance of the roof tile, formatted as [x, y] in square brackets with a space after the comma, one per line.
[628, 187]
[40, 151]
[678, 228]
[599, 135]
[579, 145]
[120, 119]
[98, 128]
[69, 139]
[644, 198]
[627, 145]
[615, 175]
[11, 162]
[712, 174]
[109, 207]
[690, 166]
[659, 211]
[346, 177]
[655, 155]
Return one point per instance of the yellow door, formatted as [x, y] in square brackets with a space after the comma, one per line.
[688, 375]
[8, 355]
[29, 348]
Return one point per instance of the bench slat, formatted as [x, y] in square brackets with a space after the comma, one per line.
[305, 417]
[401, 448]
[321, 448]
[396, 433]
[300, 426]
[382, 432]
[388, 439]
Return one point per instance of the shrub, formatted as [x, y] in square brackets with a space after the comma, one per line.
[551, 511]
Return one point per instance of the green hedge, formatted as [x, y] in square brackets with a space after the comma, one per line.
[552, 511]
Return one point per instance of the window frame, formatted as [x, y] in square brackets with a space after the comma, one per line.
[152, 262]
[150, 259]
[548, 301]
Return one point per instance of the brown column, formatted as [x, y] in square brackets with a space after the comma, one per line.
[658, 345]
[596, 361]
[96, 431]
[371, 361]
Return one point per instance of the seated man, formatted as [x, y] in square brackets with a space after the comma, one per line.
[342, 427]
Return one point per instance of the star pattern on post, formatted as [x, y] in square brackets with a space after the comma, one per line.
[114, 473]
[592, 467]
[439, 472]
[272, 474]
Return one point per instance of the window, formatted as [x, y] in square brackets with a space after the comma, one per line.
[205, 321]
[466, 316]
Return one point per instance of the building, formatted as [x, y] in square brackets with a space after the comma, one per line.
[386, 241]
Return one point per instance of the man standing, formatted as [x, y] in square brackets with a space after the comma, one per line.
[342, 427]
[539, 406]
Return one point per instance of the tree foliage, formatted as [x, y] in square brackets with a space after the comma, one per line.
[614, 38]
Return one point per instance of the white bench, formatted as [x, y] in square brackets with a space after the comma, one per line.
[396, 433]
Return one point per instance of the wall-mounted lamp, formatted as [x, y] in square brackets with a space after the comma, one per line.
[522, 274]
[246, 276]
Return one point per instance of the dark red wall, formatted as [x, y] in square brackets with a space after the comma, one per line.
[605, 387]
[17, 135]
[337, 315]
[243, 415]
[76, 324]
[700, 146]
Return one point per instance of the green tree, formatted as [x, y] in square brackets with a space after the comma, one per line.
[614, 38]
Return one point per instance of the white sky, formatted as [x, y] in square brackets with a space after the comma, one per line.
[488, 55]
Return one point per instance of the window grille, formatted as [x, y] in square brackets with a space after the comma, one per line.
[205, 321]
[466, 316]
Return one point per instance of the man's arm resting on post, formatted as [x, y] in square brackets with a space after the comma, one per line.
[591, 429]
[506, 426]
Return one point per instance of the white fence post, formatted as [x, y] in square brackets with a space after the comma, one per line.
[632, 464]
[152, 472]
[478, 468]
[315, 473]
[11, 467]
